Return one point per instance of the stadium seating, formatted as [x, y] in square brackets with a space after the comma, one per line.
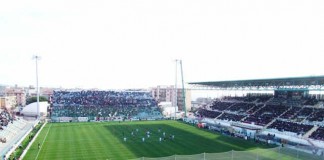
[266, 114]
[241, 107]
[13, 129]
[294, 102]
[303, 113]
[318, 134]
[249, 98]
[231, 117]
[317, 115]
[220, 106]
[208, 113]
[290, 127]
[277, 101]
[293, 115]
[311, 101]
[5, 118]
[126, 104]
[264, 98]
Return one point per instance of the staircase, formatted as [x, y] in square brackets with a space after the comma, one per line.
[306, 135]
[294, 116]
[318, 105]
[259, 109]
[268, 100]
[266, 126]
[305, 119]
[219, 115]
[243, 119]
[250, 108]
[285, 111]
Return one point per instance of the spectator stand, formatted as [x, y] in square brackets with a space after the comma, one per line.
[103, 106]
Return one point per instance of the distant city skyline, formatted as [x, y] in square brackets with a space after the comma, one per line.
[133, 44]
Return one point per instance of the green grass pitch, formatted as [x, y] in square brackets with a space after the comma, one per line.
[105, 141]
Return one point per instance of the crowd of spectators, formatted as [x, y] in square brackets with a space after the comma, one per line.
[294, 102]
[291, 113]
[266, 114]
[102, 103]
[254, 109]
[304, 112]
[311, 101]
[317, 115]
[261, 120]
[231, 117]
[241, 107]
[298, 128]
[234, 99]
[277, 101]
[309, 113]
[5, 118]
[204, 113]
[318, 134]
[264, 98]
[221, 106]
[250, 98]
[101, 97]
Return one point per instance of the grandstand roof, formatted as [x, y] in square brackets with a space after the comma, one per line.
[311, 82]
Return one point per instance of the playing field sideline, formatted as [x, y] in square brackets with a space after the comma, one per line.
[106, 141]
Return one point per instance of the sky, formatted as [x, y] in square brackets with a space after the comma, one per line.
[134, 43]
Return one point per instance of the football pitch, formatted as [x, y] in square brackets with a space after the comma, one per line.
[105, 140]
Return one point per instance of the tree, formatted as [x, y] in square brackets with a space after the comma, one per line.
[34, 99]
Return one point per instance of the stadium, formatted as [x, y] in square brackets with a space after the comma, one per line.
[279, 118]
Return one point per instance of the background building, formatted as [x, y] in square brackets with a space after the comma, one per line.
[199, 102]
[2, 90]
[19, 93]
[167, 94]
[46, 92]
[31, 91]
[8, 102]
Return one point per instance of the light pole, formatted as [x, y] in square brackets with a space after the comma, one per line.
[175, 90]
[36, 57]
[183, 91]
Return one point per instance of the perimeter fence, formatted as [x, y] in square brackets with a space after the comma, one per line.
[278, 153]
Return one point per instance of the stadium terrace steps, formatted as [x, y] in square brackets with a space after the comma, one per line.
[100, 105]
[266, 126]
[306, 135]
[219, 115]
[269, 100]
[13, 132]
[247, 111]
[253, 112]
[243, 119]
[290, 108]
[306, 117]
[259, 109]
[13, 129]
[318, 104]
[297, 112]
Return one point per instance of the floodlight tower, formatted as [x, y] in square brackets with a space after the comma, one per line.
[183, 91]
[36, 57]
[175, 90]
